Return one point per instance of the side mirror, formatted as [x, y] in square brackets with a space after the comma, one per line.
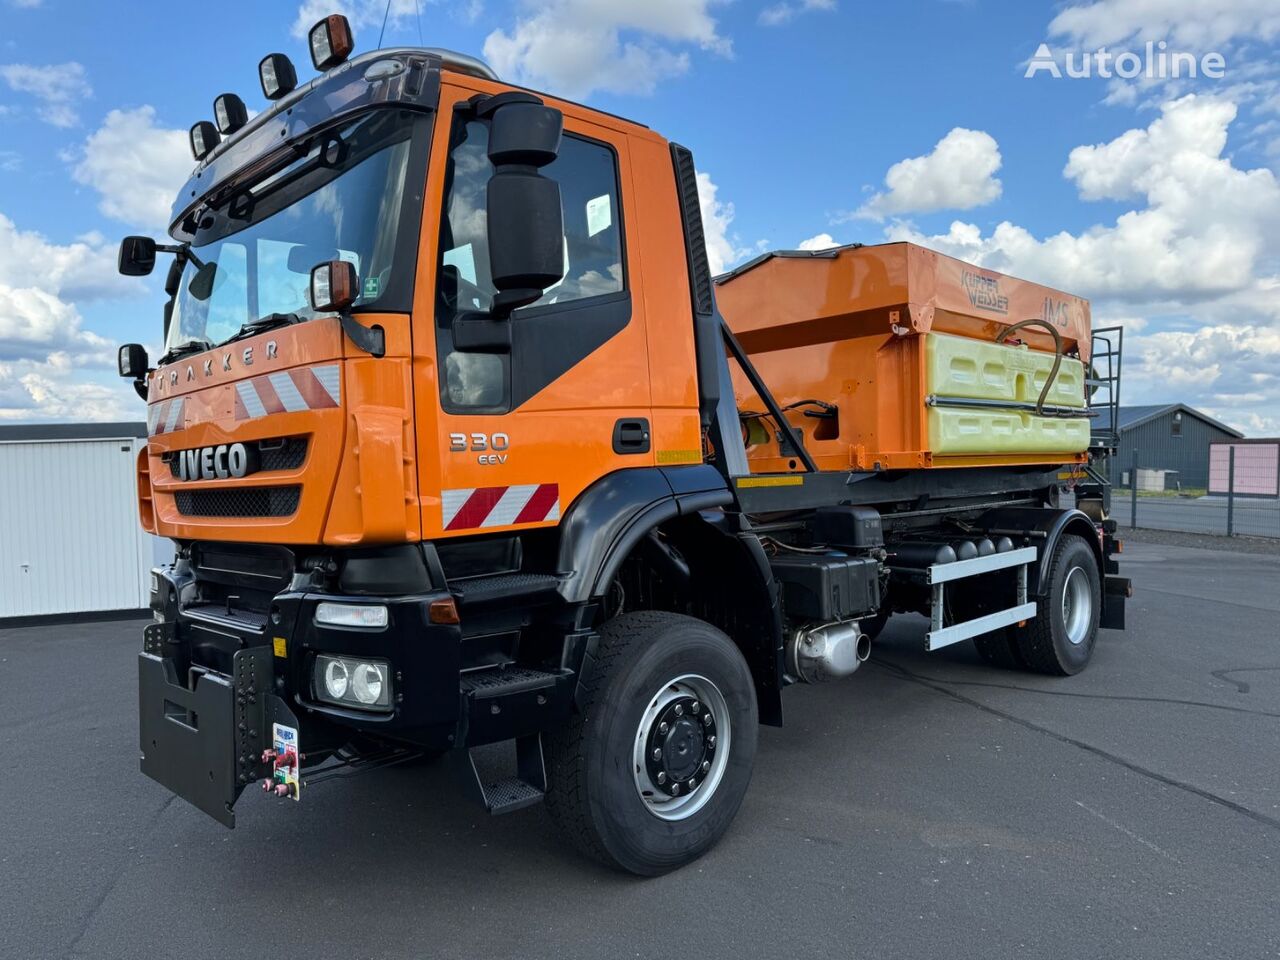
[333, 286]
[525, 218]
[137, 256]
[132, 361]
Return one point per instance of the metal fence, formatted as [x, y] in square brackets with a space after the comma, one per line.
[1242, 498]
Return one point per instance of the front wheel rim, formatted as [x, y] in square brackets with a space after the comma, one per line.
[681, 747]
[1077, 606]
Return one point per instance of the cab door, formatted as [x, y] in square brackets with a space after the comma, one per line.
[508, 439]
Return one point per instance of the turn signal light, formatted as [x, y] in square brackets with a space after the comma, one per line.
[443, 611]
[330, 41]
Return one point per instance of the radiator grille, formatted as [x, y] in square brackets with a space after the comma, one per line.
[239, 502]
[288, 456]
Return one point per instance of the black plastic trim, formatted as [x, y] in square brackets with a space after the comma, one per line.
[611, 516]
[706, 320]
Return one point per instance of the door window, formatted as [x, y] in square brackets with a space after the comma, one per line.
[587, 172]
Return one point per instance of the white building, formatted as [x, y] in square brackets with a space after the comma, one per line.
[70, 541]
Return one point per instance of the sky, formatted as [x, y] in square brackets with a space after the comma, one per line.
[964, 125]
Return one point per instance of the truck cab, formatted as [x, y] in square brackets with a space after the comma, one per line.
[446, 439]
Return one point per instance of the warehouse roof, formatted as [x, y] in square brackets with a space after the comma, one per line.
[10, 433]
[1130, 417]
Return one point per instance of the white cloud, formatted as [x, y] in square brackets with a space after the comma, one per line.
[25, 4]
[780, 13]
[575, 47]
[717, 220]
[1194, 263]
[58, 388]
[84, 270]
[363, 14]
[823, 241]
[10, 161]
[1185, 23]
[1202, 233]
[50, 366]
[57, 87]
[958, 174]
[136, 166]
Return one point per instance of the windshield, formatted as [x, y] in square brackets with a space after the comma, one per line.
[252, 255]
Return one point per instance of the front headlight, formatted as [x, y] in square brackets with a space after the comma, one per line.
[350, 682]
[351, 614]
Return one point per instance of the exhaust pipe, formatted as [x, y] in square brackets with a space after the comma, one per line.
[826, 651]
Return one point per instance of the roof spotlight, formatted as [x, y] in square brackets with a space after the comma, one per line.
[276, 75]
[204, 137]
[330, 41]
[229, 113]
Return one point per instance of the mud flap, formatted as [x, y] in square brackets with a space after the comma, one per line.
[204, 740]
[1115, 591]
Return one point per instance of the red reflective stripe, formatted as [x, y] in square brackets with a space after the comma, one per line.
[241, 412]
[316, 396]
[477, 507]
[539, 504]
[267, 394]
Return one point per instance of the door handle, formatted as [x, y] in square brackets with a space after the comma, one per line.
[631, 436]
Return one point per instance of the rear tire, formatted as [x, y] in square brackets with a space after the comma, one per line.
[646, 665]
[1060, 639]
[1000, 649]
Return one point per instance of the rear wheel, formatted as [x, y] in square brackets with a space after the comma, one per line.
[650, 773]
[1061, 637]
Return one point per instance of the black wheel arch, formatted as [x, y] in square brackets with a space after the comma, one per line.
[730, 583]
[1046, 526]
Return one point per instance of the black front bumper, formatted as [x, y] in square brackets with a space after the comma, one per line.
[204, 740]
[210, 687]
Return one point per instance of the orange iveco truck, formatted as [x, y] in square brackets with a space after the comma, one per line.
[460, 444]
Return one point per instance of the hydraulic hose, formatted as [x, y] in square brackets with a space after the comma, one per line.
[1057, 353]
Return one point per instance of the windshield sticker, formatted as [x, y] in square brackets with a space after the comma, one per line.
[599, 214]
[371, 285]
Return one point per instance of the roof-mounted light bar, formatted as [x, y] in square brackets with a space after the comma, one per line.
[330, 41]
[229, 113]
[277, 76]
[204, 137]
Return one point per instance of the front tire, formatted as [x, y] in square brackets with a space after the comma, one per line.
[1061, 638]
[651, 771]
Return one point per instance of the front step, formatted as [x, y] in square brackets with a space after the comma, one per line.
[506, 681]
[505, 587]
[507, 702]
[508, 794]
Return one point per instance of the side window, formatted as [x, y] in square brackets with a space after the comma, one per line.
[588, 176]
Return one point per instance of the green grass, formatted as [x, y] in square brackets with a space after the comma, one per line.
[1158, 494]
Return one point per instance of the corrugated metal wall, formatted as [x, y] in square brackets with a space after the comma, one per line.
[1159, 449]
[69, 534]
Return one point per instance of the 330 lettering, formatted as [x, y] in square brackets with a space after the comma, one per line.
[490, 447]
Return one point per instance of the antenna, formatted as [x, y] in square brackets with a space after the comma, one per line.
[386, 13]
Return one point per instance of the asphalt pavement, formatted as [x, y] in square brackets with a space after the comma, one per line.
[929, 806]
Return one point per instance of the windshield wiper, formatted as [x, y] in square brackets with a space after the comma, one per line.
[182, 349]
[269, 322]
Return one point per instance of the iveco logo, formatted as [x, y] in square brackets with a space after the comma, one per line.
[214, 463]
